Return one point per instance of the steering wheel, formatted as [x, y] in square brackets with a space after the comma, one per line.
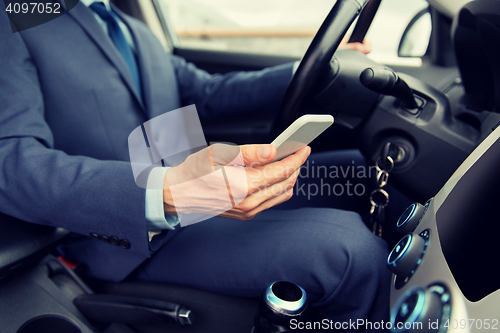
[314, 63]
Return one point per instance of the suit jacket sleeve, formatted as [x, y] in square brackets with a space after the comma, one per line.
[232, 94]
[43, 185]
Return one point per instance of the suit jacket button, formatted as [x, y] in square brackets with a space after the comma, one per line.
[125, 244]
[104, 238]
[114, 240]
[94, 235]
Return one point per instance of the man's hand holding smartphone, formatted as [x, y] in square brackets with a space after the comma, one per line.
[189, 188]
[241, 181]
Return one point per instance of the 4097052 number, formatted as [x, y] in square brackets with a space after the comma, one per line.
[33, 8]
[485, 324]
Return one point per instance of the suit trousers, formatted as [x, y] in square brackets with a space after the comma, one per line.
[327, 251]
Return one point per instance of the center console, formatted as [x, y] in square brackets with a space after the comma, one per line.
[445, 266]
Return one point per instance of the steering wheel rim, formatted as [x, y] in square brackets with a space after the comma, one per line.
[315, 60]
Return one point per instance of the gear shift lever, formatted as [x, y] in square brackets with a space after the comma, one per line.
[385, 81]
[282, 302]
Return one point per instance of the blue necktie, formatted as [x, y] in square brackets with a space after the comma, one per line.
[118, 38]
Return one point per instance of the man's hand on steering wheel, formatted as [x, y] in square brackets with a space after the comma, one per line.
[365, 47]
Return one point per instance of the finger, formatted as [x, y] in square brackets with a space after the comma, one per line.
[224, 154]
[298, 158]
[240, 214]
[285, 196]
[365, 47]
[368, 46]
[266, 193]
[254, 155]
[275, 172]
[221, 154]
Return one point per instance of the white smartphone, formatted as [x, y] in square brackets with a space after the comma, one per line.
[300, 133]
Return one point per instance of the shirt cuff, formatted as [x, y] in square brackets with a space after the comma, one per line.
[155, 212]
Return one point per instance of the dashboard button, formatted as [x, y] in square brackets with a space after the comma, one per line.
[406, 255]
[415, 310]
[410, 218]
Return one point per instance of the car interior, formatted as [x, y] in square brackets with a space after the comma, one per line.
[437, 122]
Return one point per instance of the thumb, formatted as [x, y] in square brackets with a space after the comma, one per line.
[258, 154]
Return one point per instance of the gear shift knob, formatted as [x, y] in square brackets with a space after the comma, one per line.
[384, 80]
[282, 301]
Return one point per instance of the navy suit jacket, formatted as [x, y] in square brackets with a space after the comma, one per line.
[67, 106]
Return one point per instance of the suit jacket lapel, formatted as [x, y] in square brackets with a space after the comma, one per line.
[87, 21]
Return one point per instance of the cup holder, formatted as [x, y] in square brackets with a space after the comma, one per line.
[50, 324]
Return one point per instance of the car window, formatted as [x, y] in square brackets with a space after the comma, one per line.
[279, 27]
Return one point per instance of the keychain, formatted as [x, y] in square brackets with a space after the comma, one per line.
[379, 198]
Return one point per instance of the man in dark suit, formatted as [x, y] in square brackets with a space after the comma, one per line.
[69, 98]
